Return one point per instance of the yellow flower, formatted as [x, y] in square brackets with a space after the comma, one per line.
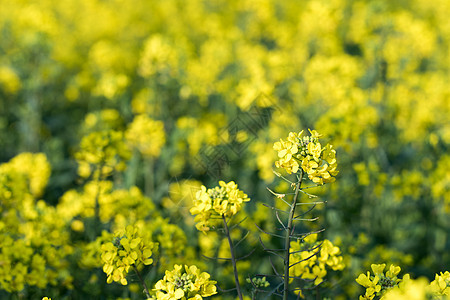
[411, 290]
[223, 200]
[286, 150]
[188, 283]
[393, 271]
[146, 135]
[308, 264]
[318, 162]
[441, 284]
[380, 283]
[378, 269]
[129, 249]
[371, 285]
[102, 153]
[35, 167]
[9, 80]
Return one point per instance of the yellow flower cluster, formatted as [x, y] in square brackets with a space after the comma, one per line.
[34, 246]
[410, 289]
[441, 284]
[171, 241]
[379, 283]
[105, 119]
[187, 284]
[306, 152]
[101, 153]
[389, 287]
[36, 167]
[9, 81]
[146, 135]
[309, 266]
[120, 205]
[223, 200]
[129, 249]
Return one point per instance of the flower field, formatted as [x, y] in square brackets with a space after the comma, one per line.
[225, 149]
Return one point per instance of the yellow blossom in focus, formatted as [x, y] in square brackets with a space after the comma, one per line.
[185, 284]
[441, 284]
[318, 162]
[129, 248]
[311, 258]
[223, 200]
[380, 283]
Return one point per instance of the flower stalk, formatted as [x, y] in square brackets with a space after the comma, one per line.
[233, 260]
[288, 236]
[147, 293]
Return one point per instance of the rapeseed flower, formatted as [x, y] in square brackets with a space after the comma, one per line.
[307, 153]
[441, 284]
[380, 283]
[185, 284]
[101, 153]
[310, 260]
[129, 248]
[223, 200]
[146, 135]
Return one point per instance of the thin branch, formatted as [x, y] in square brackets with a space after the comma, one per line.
[281, 176]
[305, 259]
[236, 225]
[224, 291]
[245, 256]
[279, 220]
[274, 291]
[147, 293]
[269, 233]
[273, 268]
[303, 235]
[278, 195]
[288, 236]
[233, 261]
[215, 258]
[309, 195]
[274, 208]
[245, 236]
[310, 249]
[265, 248]
[269, 250]
[311, 220]
[310, 186]
[309, 210]
[309, 203]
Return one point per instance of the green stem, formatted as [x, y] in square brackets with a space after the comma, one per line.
[233, 260]
[288, 237]
[142, 282]
[254, 296]
[97, 222]
[149, 179]
[132, 170]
